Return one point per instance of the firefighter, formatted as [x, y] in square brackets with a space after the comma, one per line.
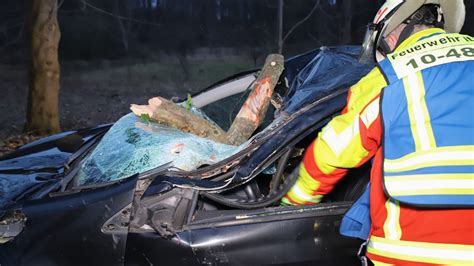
[413, 114]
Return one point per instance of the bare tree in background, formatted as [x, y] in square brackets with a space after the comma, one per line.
[281, 38]
[280, 26]
[125, 26]
[347, 24]
[44, 70]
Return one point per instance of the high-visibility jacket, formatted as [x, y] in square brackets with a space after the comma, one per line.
[428, 125]
[402, 232]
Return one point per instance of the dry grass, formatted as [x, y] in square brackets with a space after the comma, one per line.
[13, 142]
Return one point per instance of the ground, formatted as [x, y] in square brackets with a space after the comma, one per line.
[100, 92]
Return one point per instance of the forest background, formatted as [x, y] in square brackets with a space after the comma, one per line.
[116, 52]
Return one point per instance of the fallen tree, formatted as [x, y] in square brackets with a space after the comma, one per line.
[245, 123]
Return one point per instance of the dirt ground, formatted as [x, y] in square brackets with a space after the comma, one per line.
[95, 93]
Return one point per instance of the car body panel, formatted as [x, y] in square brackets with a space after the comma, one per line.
[41, 164]
[281, 240]
[297, 235]
[68, 229]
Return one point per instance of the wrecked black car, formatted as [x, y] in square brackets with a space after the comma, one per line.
[137, 193]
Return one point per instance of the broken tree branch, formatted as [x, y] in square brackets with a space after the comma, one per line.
[255, 107]
[316, 5]
[244, 125]
[173, 115]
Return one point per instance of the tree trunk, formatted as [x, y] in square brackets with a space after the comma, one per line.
[44, 69]
[255, 107]
[347, 25]
[280, 26]
[124, 25]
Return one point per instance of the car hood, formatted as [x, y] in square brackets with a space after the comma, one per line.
[41, 163]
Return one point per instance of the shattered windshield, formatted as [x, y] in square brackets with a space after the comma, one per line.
[134, 146]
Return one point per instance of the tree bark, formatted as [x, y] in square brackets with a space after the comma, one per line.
[255, 107]
[44, 69]
[173, 115]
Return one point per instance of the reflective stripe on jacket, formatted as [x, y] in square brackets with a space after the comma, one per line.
[427, 119]
[354, 137]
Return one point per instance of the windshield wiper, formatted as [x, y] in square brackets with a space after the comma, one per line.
[82, 150]
[68, 173]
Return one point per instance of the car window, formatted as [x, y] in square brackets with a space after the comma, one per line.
[223, 89]
[224, 110]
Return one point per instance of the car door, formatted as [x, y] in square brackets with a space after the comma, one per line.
[281, 235]
[277, 235]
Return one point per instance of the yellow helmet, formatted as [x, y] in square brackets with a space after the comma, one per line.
[447, 14]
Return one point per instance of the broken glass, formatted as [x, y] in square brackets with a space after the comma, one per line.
[133, 146]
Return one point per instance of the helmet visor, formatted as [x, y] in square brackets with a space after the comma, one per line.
[367, 53]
